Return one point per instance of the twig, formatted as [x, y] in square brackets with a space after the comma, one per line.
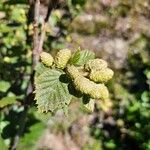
[41, 40]
[35, 59]
[36, 34]
[37, 49]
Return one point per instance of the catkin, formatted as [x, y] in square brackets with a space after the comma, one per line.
[83, 84]
[96, 91]
[46, 59]
[96, 64]
[99, 91]
[73, 72]
[101, 76]
[62, 58]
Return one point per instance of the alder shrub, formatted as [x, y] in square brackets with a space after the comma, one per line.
[69, 74]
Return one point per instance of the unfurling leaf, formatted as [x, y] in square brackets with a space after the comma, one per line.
[81, 57]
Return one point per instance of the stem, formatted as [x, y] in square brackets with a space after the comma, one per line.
[37, 49]
[29, 96]
[41, 40]
[36, 34]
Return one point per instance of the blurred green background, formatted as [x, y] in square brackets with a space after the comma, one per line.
[117, 31]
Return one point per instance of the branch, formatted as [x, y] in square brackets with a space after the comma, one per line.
[41, 40]
[29, 96]
[36, 34]
[37, 49]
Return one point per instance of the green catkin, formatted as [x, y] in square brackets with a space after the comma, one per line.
[73, 72]
[62, 58]
[102, 75]
[46, 59]
[96, 91]
[83, 84]
[96, 64]
[99, 91]
[86, 86]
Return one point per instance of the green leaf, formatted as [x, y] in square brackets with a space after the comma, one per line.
[51, 93]
[81, 57]
[2, 144]
[4, 86]
[7, 101]
[29, 140]
[89, 106]
[40, 68]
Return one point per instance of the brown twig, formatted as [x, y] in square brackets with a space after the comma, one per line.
[38, 41]
[35, 59]
[42, 36]
[36, 34]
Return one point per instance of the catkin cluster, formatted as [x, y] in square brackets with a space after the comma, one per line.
[91, 84]
[60, 61]
[86, 86]
[99, 71]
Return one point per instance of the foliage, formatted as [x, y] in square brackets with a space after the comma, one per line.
[120, 122]
[51, 93]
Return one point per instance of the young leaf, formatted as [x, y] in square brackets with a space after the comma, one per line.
[89, 106]
[28, 141]
[81, 57]
[4, 86]
[7, 101]
[51, 93]
[40, 68]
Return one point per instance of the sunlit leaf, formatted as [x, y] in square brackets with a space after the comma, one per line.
[40, 68]
[7, 101]
[51, 93]
[81, 57]
[4, 86]
[89, 106]
[28, 141]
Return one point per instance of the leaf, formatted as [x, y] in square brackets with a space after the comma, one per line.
[51, 93]
[29, 140]
[81, 57]
[89, 107]
[4, 86]
[40, 68]
[2, 144]
[7, 101]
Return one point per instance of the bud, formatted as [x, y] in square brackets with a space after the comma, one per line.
[96, 64]
[102, 76]
[62, 58]
[73, 72]
[99, 91]
[46, 59]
